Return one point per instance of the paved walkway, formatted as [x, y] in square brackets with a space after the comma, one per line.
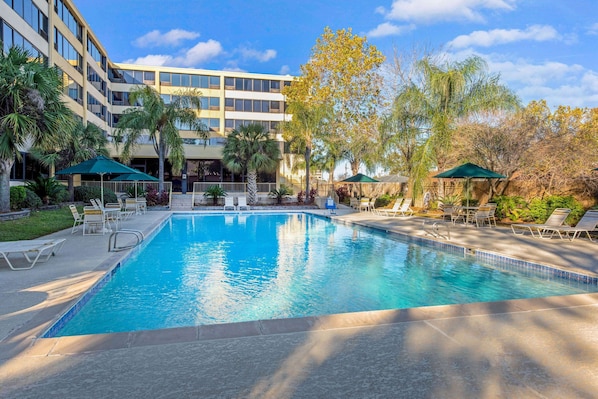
[540, 348]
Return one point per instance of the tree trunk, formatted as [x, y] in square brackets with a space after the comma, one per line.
[161, 151]
[5, 167]
[251, 186]
[71, 186]
[307, 162]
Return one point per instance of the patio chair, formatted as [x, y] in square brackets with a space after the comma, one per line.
[33, 250]
[131, 205]
[587, 223]
[387, 212]
[556, 219]
[77, 216]
[229, 203]
[482, 216]
[94, 221]
[364, 204]
[242, 203]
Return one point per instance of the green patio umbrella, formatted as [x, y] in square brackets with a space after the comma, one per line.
[359, 178]
[136, 177]
[99, 165]
[469, 171]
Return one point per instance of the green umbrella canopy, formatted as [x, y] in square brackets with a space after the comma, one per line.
[359, 178]
[138, 176]
[470, 170]
[99, 165]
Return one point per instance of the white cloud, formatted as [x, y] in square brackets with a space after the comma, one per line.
[445, 10]
[193, 57]
[593, 30]
[538, 33]
[284, 70]
[388, 29]
[172, 38]
[261, 56]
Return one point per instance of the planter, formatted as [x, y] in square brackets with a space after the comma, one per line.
[15, 215]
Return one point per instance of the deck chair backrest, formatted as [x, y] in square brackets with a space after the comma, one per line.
[75, 212]
[406, 204]
[397, 205]
[483, 211]
[557, 217]
[229, 201]
[242, 201]
[589, 220]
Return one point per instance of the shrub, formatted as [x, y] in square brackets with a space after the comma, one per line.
[540, 208]
[48, 189]
[301, 196]
[130, 191]
[313, 193]
[85, 193]
[214, 192]
[383, 201]
[32, 200]
[17, 196]
[154, 198]
[509, 206]
[342, 192]
[280, 193]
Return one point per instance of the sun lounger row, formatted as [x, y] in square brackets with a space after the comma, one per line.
[555, 225]
[229, 204]
[401, 207]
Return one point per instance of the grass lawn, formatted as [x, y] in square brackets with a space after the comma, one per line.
[38, 224]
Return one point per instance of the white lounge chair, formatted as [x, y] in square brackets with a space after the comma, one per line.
[556, 219]
[388, 212]
[33, 250]
[404, 209]
[229, 203]
[587, 223]
[364, 204]
[242, 203]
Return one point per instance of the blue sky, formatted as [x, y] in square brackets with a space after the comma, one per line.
[543, 49]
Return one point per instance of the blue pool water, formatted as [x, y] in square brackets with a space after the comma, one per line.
[208, 269]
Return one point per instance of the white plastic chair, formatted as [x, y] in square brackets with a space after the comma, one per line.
[242, 203]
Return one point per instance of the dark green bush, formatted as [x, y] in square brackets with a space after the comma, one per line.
[509, 206]
[17, 196]
[50, 190]
[539, 209]
[85, 193]
[214, 192]
[383, 201]
[280, 193]
[32, 200]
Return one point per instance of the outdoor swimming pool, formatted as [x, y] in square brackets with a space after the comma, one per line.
[221, 268]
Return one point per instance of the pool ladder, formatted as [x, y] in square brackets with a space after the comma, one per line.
[112, 247]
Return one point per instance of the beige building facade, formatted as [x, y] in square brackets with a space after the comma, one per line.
[97, 89]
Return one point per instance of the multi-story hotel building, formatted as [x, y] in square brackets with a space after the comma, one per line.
[97, 90]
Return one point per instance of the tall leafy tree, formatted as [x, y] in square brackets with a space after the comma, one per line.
[308, 124]
[250, 149]
[161, 122]
[32, 112]
[76, 145]
[342, 74]
[444, 93]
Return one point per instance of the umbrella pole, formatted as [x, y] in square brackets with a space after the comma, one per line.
[102, 187]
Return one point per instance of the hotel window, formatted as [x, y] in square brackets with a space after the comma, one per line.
[94, 106]
[11, 37]
[96, 80]
[133, 77]
[275, 86]
[92, 49]
[214, 82]
[165, 78]
[229, 104]
[31, 14]
[67, 51]
[229, 83]
[70, 87]
[69, 20]
[274, 106]
[149, 77]
[214, 103]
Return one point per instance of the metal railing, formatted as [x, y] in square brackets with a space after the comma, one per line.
[199, 188]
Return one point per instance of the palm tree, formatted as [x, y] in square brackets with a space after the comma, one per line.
[32, 112]
[250, 148]
[443, 95]
[160, 121]
[308, 124]
[79, 144]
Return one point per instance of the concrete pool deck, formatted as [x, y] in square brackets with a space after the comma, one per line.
[536, 348]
